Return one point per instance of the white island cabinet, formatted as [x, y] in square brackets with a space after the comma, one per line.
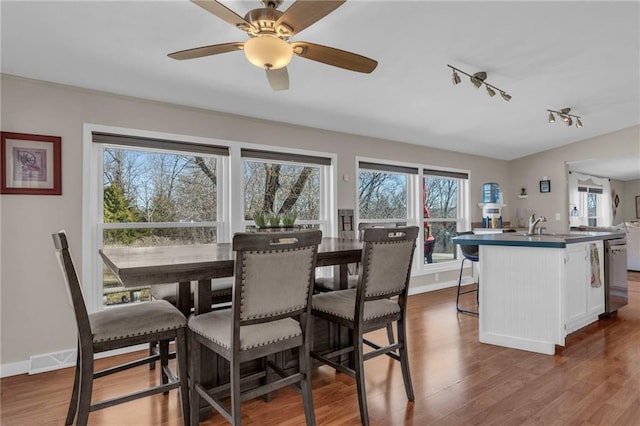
[536, 290]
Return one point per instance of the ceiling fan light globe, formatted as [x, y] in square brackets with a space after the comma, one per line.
[268, 52]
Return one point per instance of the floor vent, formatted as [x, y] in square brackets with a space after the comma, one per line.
[53, 361]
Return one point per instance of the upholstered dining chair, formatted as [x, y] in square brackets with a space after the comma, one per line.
[270, 314]
[115, 328]
[380, 299]
[328, 284]
[470, 252]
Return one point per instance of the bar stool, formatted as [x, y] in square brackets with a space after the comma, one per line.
[471, 253]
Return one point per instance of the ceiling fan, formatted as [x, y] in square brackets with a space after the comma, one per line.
[269, 30]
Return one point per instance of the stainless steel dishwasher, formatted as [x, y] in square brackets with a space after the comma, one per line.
[615, 273]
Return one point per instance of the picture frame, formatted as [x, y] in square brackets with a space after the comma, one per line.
[637, 206]
[30, 164]
[545, 186]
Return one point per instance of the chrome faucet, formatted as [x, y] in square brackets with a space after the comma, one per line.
[533, 222]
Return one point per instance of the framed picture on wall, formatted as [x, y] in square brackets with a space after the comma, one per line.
[30, 164]
[545, 186]
[637, 206]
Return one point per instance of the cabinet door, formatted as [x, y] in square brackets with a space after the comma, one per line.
[595, 295]
[575, 300]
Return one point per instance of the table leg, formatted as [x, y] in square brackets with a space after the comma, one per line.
[183, 298]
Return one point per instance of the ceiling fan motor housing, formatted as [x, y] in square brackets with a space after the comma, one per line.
[264, 19]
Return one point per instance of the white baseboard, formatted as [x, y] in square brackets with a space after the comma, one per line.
[55, 361]
[14, 368]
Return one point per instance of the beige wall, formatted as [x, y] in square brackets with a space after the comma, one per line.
[527, 172]
[35, 316]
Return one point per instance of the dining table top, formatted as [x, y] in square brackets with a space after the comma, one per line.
[137, 266]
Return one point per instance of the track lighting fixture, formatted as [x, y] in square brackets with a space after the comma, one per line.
[565, 117]
[478, 79]
[456, 78]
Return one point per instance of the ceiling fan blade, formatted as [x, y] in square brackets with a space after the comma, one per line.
[332, 56]
[278, 79]
[304, 13]
[224, 13]
[199, 52]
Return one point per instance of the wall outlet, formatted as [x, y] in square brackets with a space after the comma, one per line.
[557, 216]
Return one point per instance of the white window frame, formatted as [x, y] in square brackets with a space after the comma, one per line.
[327, 217]
[415, 213]
[463, 220]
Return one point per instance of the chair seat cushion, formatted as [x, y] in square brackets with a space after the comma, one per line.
[342, 304]
[135, 320]
[327, 283]
[216, 326]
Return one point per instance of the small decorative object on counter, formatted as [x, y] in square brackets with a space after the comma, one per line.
[575, 212]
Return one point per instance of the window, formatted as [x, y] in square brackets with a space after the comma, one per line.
[155, 192]
[392, 193]
[589, 199]
[280, 185]
[383, 192]
[444, 198]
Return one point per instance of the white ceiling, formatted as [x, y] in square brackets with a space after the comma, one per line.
[584, 55]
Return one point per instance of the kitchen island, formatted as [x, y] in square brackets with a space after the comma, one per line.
[535, 290]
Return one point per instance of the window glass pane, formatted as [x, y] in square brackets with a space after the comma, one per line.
[144, 186]
[282, 189]
[382, 195]
[155, 187]
[440, 202]
[592, 205]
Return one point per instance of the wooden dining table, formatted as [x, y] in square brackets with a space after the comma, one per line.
[143, 266]
[147, 266]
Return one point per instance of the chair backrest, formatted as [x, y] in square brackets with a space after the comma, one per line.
[387, 257]
[74, 289]
[274, 274]
[470, 251]
[367, 225]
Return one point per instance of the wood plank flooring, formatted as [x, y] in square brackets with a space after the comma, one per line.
[593, 380]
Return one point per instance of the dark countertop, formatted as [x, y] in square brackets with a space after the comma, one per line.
[548, 240]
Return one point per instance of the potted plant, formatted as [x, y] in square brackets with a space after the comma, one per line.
[274, 221]
[288, 220]
[260, 219]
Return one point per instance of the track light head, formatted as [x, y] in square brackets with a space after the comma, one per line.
[456, 78]
[478, 78]
[552, 118]
[569, 122]
[505, 96]
[578, 123]
[490, 91]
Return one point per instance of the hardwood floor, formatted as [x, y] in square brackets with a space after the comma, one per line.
[593, 380]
